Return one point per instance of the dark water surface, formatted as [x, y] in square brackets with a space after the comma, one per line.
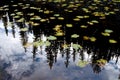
[26, 25]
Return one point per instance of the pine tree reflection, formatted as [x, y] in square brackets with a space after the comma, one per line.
[5, 22]
[50, 58]
[67, 58]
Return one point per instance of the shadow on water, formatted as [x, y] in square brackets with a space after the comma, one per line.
[32, 23]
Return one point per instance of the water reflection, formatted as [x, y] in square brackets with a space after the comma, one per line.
[21, 60]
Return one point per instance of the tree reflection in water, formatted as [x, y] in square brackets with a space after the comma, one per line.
[97, 50]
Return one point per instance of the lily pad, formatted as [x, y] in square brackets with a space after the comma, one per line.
[51, 38]
[92, 39]
[69, 25]
[59, 33]
[76, 46]
[105, 34]
[108, 31]
[112, 41]
[47, 43]
[74, 36]
[24, 29]
[86, 38]
[82, 63]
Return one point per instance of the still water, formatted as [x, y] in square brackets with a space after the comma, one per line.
[26, 52]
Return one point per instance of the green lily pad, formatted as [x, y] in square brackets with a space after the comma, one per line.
[47, 43]
[69, 25]
[76, 46]
[105, 34]
[82, 63]
[24, 29]
[112, 41]
[92, 39]
[51, 38]
[74, 36]
[108, 31]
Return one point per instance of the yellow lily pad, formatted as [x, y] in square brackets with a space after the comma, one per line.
[112, 41]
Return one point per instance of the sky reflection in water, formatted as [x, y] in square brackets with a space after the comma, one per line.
[21, 63]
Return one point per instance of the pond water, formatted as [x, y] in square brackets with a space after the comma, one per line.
[64, 40]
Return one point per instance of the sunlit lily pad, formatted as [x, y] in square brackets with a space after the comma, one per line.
[69, 25]
[76, 19]
[105, 34]
[16, 16]
[86, 38]
[82, 63]
[83, 26]
[112, 41]
[77, 46]
[47, 43]
[94, 21]
[47, 12]
[27, 45]
[30, 14]
[56, 15]
[42, 20]
[24, 29]
[103, 61]
[65, 46]
[20, 20]
[52, 18]
[74, 36]
[108, 31]
[13, 14]
[90, 23]
[60, 18]
[92, 39]
[35, 24]
[81, 17]
[59, 33]
[51, 38]
[86, 16]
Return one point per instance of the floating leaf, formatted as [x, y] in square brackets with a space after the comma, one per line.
[56, 15]
[82, 63]
[76, 46]
[80, 17]
[24, 29]
[94, 21]
[47, 43]
[36, 44]
[92, 39]
[52, 18]
[105, 34]
[20, 20]
[86, 16]
[60, 18]
[51, 38]
[76, 19]
[103, 61]
[69, 25]
[112, 41]
[27, 45]
[42, 20]
[47, 12]
[86, 38]
[74, 36]
[108, 31]
[65, 46]
[90, 23]
[16, 16]
[59, 33]
[83, 26]
[35, 24]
